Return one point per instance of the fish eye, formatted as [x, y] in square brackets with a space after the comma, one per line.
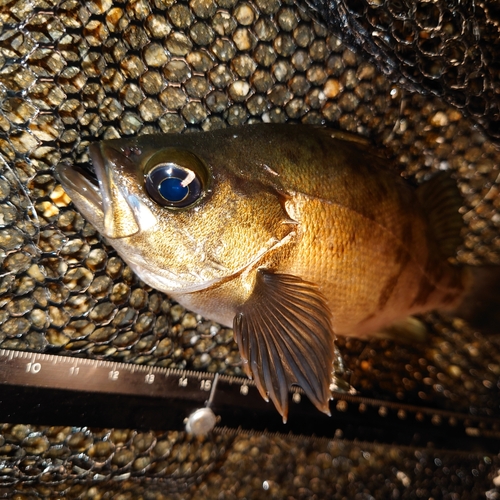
[178, 183]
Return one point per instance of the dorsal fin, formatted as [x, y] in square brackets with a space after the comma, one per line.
[441, 199]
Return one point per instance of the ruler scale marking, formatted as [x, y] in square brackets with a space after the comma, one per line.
[62, 390]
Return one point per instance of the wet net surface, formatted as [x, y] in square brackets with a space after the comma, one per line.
[73, 72]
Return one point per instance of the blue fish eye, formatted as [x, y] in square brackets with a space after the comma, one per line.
[173, 186]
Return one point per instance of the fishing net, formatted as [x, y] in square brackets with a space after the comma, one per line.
[419, 78]
[444, 48]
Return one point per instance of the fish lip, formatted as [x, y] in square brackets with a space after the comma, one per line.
[89, 189]
[117, 177]
[99, 163]
[76, 178]
[81, 185]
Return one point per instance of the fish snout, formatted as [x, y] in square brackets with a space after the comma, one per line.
[125, 213]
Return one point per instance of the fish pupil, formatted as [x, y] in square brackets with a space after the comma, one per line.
[172, 189]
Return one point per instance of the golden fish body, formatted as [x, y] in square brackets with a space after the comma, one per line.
[293, 234]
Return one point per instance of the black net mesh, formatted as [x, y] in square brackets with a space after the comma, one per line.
[446, 48]
[72, 72]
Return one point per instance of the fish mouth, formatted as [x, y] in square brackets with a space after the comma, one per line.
[82, 185]
[105, 193]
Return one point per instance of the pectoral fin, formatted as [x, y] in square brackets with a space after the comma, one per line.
[285, 337]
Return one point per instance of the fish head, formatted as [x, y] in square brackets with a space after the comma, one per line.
[181, 210]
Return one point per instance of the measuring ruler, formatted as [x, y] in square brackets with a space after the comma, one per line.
[61, 390]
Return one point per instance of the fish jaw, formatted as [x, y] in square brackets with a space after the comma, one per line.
[124, 212]
[110, 206]
[84, 192]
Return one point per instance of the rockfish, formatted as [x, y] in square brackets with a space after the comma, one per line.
[289, 234]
